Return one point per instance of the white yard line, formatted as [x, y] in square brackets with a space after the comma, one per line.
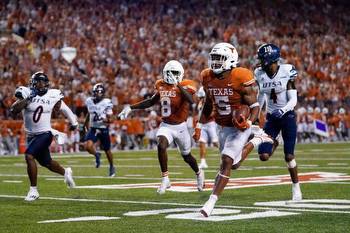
[175, 204]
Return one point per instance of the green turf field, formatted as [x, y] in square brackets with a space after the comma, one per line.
[130, 198]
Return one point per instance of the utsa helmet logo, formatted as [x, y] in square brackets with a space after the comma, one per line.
[268, 54]
[39, 82]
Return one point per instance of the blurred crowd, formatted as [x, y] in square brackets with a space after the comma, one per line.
[125, 44]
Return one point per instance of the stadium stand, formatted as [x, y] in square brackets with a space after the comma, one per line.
[126, 43]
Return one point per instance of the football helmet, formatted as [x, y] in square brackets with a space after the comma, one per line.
[98, 91]
[325, 110]
[39, 82]
[268, 54]
[222, 57]
[173, 72]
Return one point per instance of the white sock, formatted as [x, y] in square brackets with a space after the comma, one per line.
[203, 161]
[296, 186]
[33, 188]
[256, 141]
[213, 197]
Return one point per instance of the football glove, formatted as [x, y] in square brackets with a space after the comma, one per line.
[73, 127]
[124, 114]
[241, 123]
[197, 133]
[277, 113]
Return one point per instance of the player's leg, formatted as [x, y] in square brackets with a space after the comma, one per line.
[203, 140]
[44, 158]
[105, 141]
[164, 139]
[231, 145]
[257, 137]
[182, 139]
[32, 169]
[272, 128]
[289, 134]
[90, 140]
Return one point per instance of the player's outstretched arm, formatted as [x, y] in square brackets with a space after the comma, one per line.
[140, 105]
[72, 118]
[186, 94]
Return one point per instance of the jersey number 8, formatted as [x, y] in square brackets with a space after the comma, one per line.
[166, 107]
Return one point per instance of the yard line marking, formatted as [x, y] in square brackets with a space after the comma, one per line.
[176, 204]
[337, 164]
[80, 219]
[12, 181]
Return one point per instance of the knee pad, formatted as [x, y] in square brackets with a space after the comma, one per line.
[292, 164]
[264, 157]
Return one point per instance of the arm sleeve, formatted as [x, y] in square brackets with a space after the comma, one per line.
[261, 99]
[292, 100]
[69, 114]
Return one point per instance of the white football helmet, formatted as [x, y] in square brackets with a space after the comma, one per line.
[341, 111]
[173, 72]
[317, 110]
[222, 57]
[325, 110]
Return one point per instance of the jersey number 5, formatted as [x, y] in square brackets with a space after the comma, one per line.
[224, 107]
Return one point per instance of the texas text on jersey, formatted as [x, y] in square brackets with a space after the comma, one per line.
[226, 93]
[174, 107]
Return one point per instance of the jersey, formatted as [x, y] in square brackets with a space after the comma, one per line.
[37, 114]
[275, 88]
[174, 106]
[99, 111]
[226, 93]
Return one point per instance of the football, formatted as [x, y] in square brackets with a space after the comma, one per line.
[243, 110]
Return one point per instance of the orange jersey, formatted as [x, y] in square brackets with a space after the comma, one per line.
[174, 107]
[226, 93]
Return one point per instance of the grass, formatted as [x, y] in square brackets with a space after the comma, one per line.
[58, 202]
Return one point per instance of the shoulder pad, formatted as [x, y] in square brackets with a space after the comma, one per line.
[55, 93]
[290, 70]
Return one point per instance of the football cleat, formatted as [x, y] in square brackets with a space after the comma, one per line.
[97, 159]
[208, 207]
[296, 192]
[200, 180]
[111, 171]
[203, 165]
[68, 177]
[164, 185]
[32, 195]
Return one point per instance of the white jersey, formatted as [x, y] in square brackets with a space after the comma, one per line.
[37, 114]
[99, 111]
[275, 88]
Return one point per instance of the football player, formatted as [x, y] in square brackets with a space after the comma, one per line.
[175, 96]
[37, 104]
[227, 87]
[277, 82]
[208, 131]
[100, 115]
